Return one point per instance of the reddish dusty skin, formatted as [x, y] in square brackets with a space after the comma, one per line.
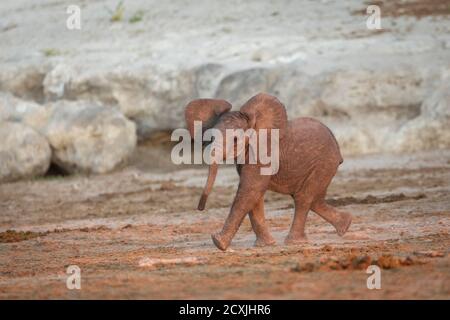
[205, 110]
[309, 158]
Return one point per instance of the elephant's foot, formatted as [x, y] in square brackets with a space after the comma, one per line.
[264, 241]
[220, 241]
[295, 239]
[343, 223]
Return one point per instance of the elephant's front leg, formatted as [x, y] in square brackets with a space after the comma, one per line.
[252, 187]
[258, 221]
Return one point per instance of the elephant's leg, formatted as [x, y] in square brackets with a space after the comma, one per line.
[311, 196]
[317, 186]
[339, 219]
[252, 187]
[297, 232]
[258, 221]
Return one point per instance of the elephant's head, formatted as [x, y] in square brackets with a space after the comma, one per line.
[260, 112]
[207, 111]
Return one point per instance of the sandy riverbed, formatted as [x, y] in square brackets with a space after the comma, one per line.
[108, 224]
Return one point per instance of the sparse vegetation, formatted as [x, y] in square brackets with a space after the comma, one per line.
[117, 13]
[226, 30]
[137, 16]
[17, 236]
[51, 52]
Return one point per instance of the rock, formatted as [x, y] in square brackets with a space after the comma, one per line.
[24, 81]
[364, 105]
[367, 86]
[57, 80]
[24, 153]
[85, 136]
[161, 262]
[387, 261]
[88, 137]
[154, 101]
[369, 107]
[367, 92]
[431, 130]
[303, 267]
[27, 112]
[431, 253]
[241, 85]
[167, 186]
[361, 262]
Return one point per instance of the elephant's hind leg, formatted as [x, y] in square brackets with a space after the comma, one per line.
[258, 221]
[297, 233]
[312, 196]
[339, 219]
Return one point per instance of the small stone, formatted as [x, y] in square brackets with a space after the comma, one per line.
[306, 267]
[361, 262]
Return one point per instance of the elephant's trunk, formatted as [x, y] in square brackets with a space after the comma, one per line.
[209, 184]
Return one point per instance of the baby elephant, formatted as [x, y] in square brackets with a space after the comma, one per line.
[308, 159]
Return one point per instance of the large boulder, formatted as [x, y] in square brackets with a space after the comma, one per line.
[24, 153]
[365, 100]
[364, 107]
[85, 136]
[152, 99]
[18, 110]
[431, 130]
[88, 137]
[24, 81]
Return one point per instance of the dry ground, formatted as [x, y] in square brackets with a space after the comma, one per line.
[108, 224]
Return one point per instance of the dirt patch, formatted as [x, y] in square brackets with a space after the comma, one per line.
[17, 236]
[353, 262]
[415, 8]
[107, 224]
[370, 199]
[332, 258]
[329, 258]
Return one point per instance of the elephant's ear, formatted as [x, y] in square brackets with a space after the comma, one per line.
[207, 111]
[266, 112]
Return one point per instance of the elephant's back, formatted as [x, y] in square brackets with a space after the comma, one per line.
[308, 146]
[311, 140]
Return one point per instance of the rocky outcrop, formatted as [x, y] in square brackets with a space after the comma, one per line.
[88, 137]
[368, 86]
[25, 111]
[365, 106]
[24, 153]
[84, 136]
[430, 130]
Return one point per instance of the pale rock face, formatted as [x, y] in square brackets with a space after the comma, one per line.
[152, 100]
[24, 153]
[27, 112]
[241, 85]
[24, 81]
[431, 130]
[366, 108]
[367, 86]
[88, 137]
[84, 136]
[371, 90]
[57, 80]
